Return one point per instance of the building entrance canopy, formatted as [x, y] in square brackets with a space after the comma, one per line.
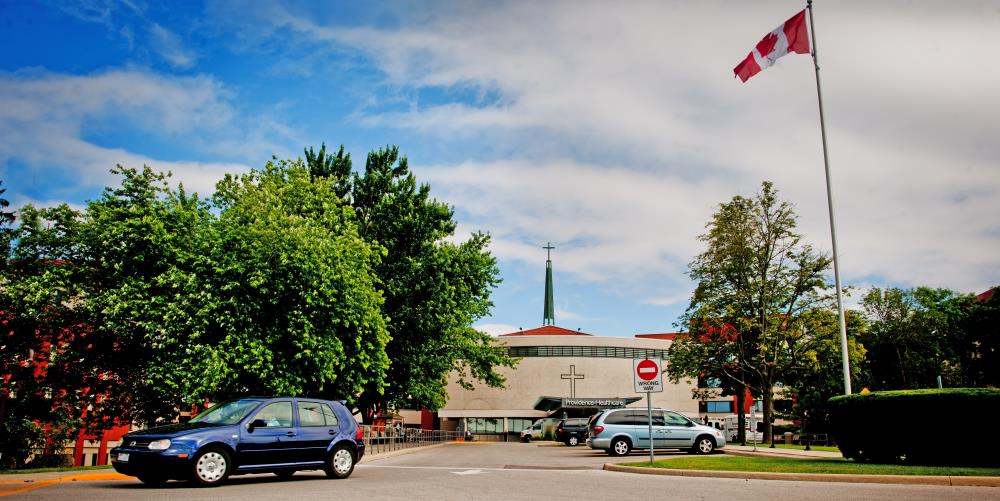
[551, 404]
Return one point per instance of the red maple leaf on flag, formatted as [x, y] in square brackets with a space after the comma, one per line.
[766, 45]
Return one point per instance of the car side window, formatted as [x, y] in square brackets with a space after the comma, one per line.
[657, 419]
[617, 417]
[329, 415]
[311, 414]
[638, 417]
[276, 415]
[674, 419]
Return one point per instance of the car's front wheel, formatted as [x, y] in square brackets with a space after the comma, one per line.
[573, 441]
[211, 467]
[703, 445]
[340, 463]
[620, 447]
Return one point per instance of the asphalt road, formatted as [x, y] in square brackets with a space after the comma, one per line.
[498, 472]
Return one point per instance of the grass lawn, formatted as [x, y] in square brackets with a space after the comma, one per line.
[45, 470]
[809, 465]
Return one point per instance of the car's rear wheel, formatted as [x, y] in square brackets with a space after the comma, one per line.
[211, 467]
[340, 463]
[526, 439]
[573, 441]
[153, 480]
[620, 447]
[703, 445]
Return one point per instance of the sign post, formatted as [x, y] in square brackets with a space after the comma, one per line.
[648, 379]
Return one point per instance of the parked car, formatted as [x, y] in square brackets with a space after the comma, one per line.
[250, 435]
[619, 431]
[572, 431]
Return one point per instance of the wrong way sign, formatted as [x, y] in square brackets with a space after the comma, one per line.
[648, 375]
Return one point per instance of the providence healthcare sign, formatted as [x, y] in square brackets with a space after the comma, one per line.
[591, 403]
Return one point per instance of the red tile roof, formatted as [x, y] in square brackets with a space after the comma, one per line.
[666, 335]
[547, 330]
[986, 296]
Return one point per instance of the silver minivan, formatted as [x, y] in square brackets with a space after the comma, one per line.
[619, 431]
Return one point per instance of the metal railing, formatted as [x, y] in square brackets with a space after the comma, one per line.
[804, 438]
[389, 438]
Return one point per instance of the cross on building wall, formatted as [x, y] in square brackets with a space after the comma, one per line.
[572, 376]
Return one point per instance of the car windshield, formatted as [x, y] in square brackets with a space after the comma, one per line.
[226, 413]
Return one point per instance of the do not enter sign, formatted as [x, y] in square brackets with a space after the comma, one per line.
[648, 376]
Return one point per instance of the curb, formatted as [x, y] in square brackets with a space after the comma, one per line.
[816, 477]
[401, 452]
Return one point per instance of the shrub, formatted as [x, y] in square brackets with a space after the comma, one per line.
[918, 426]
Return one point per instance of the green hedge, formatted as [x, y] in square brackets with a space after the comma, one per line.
[955, 426]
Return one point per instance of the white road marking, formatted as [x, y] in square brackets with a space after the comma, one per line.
[468, 472]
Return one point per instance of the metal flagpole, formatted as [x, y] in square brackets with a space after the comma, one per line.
[829, 199]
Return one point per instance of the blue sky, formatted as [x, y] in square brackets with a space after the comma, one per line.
[611, 130]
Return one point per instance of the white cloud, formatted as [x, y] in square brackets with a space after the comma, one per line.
[45, 119]
[634, 129]
[670, 300]
[170, 47]
[496, 329]
[564, 315]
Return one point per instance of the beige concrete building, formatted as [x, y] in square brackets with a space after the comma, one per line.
[563, 373]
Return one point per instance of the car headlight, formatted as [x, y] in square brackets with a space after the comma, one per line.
[159, 445]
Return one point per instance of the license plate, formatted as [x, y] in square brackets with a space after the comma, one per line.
[123, 457]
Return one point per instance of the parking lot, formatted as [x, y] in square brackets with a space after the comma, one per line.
[489, 471]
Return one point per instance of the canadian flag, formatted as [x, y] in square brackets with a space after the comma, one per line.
[789, 37]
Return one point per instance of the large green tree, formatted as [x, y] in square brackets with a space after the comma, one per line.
[269, 289]
[921, 333]
[434, 288]
[298, 310]
[981, 342]
[754, 281]
[48, 388]
[819, 377]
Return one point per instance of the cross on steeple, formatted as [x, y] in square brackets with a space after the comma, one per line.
[572, 376]
[549, 312]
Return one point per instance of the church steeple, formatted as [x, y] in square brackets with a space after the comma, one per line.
[549, 315]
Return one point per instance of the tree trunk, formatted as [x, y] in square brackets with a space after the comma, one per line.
[767, 394]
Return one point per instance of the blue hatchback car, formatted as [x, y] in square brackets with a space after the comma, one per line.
[250, 435]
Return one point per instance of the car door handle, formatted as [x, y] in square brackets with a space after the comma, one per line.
[331, 432]
[290, 434]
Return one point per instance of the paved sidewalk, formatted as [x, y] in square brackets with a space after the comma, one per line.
[764, 450]
[748, 450]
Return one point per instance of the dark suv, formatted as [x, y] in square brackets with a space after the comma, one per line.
[572, 431]
[250, 435]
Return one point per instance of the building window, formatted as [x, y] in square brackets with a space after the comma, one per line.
[485, 425]
[515, 425]
[585, 351]
[719, 407]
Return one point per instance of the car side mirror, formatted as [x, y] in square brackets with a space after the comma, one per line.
[689, 424]
[256, 423]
